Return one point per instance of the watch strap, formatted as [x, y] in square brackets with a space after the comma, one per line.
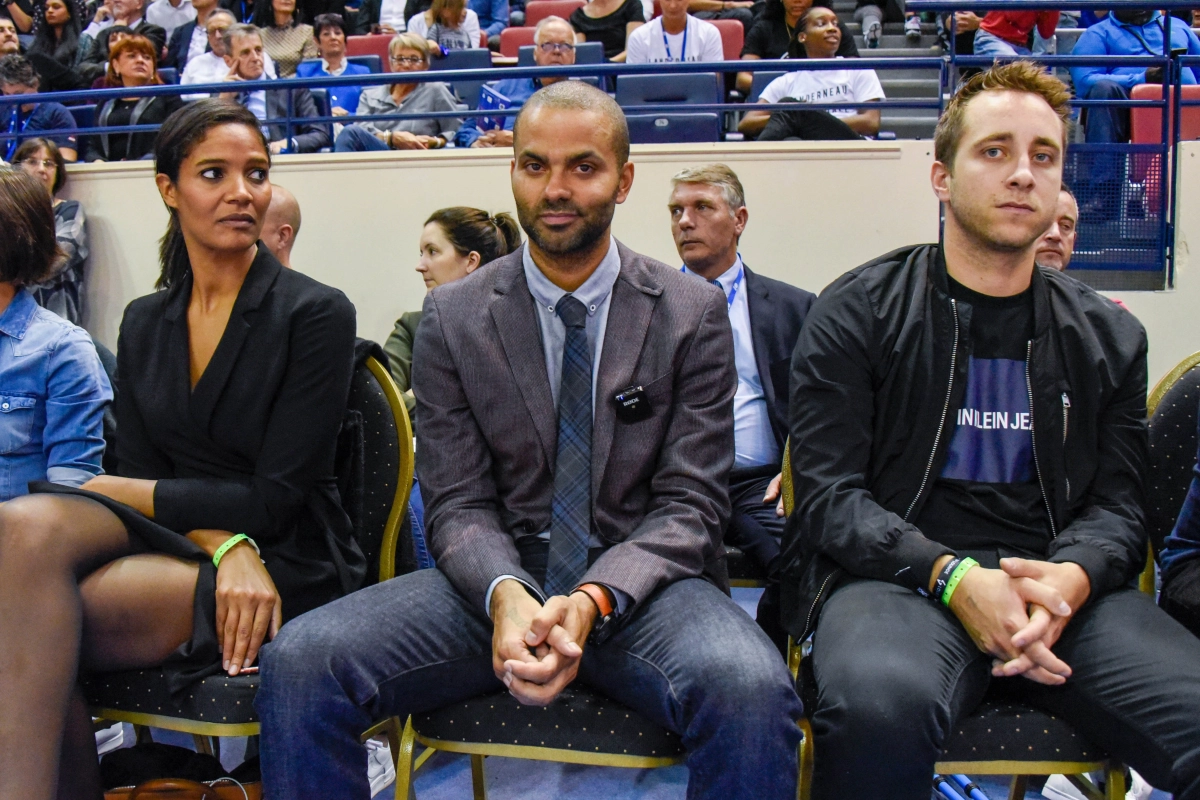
[600, 597]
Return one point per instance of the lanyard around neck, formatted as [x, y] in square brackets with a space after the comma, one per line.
[733, 290]
[667, 47]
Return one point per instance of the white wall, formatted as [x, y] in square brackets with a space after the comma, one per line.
[816, 210]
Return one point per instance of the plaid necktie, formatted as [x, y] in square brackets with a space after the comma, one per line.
[571, 508]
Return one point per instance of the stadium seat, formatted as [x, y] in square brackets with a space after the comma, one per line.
[467, 90]
[687, 89]
[513, 39]
[375, 44]
[85, 116]
[673, 128]
[373, 63]
[168, 75]
[538, 10]
[733, 36]
[1145, 123]
[761, 79]
[585, 53]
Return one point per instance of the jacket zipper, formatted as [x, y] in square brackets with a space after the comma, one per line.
[1066, 403]
[812, 609]
[1033, 437]
[945, 410]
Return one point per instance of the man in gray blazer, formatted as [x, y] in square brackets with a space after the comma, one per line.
[576, 435]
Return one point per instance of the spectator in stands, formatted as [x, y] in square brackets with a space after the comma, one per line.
[708, 216]
[190, 40]
[330, 30]
[777, 35]
[1006, 33]
[407, 52]
[21, 12]
[210, 67]
[1057, 244]
[285, 40]
[131, 64]
[242, 10]
[10, 43]
[493, 17]
[741, 10]
[821, 36]
[929, 570]
[1180, 561]
[129, 13]
[673, 37]
[228, 422]
[869, 14]
[18, 77]
[387, 16]
[281, 225]
[170, 14]
[55, 51]
[643, 620]
[609, 22]
[553, 45]
[246, 61]
[447, 25]
[62, 290]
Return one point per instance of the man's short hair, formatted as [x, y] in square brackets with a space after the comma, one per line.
[17, 70]
[324, 21]
[236, 31]
[718, 175]
[224, 13]
[409, 41]
[550, 20]
[1015, 76]
[579, 96]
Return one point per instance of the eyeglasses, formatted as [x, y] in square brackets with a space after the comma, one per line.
[406, 61]
[34, 162]
[555, 47]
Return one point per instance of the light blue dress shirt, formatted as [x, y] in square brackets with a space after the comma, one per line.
[53, 391]
[753, 440]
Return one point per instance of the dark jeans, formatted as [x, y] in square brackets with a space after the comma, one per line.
[894, 672]
[1106, 172]
[690, 660]
[357, 139]
[753, 528]
[1107, 124]
[808, 124]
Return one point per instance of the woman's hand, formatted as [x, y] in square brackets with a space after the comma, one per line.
[248, 607]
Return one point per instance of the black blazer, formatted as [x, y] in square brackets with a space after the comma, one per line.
[251, 448]
[310, 136]
[368, 13]
[777, 311]
[129, 146]
[177, 48]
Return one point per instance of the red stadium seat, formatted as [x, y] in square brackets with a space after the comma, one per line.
[732, 37]
[513, 39]
[1145, 124]
[483, 40]
[538, 10]
[371, 45]
[657, 11]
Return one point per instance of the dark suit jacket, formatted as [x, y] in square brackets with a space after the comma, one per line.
[489, 428]
[177, 48]
[251, 447]
[310, 136]
[368, 13]
[777, 312]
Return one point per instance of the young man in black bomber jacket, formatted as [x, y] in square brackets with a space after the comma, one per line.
[968, 440]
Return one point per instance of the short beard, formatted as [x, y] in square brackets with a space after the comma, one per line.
[594, 226]
[977, 229]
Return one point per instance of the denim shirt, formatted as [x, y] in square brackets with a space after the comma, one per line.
[53, 391]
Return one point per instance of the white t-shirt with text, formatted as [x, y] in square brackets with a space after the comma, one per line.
[826, 86]
[645, 45]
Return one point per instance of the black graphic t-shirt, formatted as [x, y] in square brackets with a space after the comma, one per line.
[987, 495]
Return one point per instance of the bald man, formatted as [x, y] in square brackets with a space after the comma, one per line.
[282, 225]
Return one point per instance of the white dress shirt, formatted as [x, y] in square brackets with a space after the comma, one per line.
[198, 46]
[391, 12]
[169, 17]
[211, 68]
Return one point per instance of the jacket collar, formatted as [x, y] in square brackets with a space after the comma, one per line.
[16, 318]
[939, 277]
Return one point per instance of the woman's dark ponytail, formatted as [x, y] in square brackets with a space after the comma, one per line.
[472, 230]
[509, 230]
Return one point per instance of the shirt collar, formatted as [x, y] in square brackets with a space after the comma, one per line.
[727, 277]
[325, 66]
[16, 318]
[594, 291]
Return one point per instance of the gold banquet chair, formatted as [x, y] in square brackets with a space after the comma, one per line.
[997, 738]
[219, 705]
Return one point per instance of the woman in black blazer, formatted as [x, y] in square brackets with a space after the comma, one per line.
[233, 383]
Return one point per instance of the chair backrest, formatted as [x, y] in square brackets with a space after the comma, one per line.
[1145, 123]
[85, 116]
[467, 90]
[538, 10]
[1172, 407]
[761, 80]
[585, 53]
[673, 128]
[387, 470]
[733, 36]
[513, 39]
[370, 61]
[375, 44]
[688, 89]
[168, 75]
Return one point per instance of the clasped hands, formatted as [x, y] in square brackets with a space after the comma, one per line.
[536, 649]
[1017, 613]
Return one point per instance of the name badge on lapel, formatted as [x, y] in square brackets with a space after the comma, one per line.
[632, 405]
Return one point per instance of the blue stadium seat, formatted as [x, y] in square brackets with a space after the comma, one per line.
[321, 100]
[168, 75]
[585, 53]
[673, 128]
[371, 62]
[475, 58]
[686, 89]
[85, 116]
[761, 79]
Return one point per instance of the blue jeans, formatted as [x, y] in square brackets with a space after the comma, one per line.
[357, 139]
[988, 45]
[689, 660]
[416, 516]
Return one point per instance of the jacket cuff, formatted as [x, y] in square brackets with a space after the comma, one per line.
[916, 556]
[1094, 562]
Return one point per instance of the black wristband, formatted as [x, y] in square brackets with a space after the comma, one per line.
[939, 585]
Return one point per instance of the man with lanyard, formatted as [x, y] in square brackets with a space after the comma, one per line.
[23, 121]
[674, 37]
[708, 215]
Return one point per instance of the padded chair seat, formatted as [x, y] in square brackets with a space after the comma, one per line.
[999, 731]
[218, 699]
[580, 719]
[741, 567]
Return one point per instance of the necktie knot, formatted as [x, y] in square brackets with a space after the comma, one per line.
[716, 283]
[572, 312]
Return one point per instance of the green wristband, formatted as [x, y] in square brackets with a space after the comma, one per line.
[229, 543]
[955, 577]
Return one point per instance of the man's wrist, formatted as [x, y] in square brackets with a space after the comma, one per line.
[506, 592]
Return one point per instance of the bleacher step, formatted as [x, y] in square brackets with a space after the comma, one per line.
[909, 87]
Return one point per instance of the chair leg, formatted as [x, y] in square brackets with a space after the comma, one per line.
[1114, 781]
[141, 734]
[804, 785]
[1016, 789]
[402, 752]
[478, 778]
[207, 745]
